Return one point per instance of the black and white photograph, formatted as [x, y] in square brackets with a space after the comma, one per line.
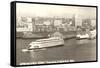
[52, 33]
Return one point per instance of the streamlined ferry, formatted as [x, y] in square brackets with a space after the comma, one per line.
[49, 42]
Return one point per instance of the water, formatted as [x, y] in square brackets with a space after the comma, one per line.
[77, 50]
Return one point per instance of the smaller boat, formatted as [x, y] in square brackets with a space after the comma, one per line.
[90, 35]
[79, 36]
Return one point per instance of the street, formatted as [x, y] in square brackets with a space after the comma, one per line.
[77, 50]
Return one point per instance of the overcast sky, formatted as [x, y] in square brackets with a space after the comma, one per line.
[33, 10]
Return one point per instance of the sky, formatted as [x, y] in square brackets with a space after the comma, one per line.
[34, 10]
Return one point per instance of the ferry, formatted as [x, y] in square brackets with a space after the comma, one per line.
[43, 43]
